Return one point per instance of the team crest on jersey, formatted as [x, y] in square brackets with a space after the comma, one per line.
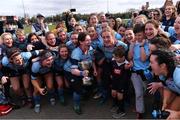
[117, 71]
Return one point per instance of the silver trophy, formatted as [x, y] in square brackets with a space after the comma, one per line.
[86, 65]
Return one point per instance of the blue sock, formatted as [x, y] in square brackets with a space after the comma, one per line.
[100, 88]
[60, 92]
[37, 99]
[51, 94]
[76, 98]
[104, 94]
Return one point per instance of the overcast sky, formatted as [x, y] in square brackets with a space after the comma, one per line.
[52, 7]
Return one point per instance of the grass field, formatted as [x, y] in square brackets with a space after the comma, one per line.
[27, 28]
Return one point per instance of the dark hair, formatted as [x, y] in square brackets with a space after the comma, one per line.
[30, 35]
[122, 25]
[71, 17]
[138, 28]
[178, 7]
[47, 34]
[167, 57]
[161, 42]
[89, 26]
[74, 32]
[82, 36]
[77, 25]
[45, 54]
[156, 24]
[60, 31]
[115, 26]
[11, 52]
[62, 46]
[92, 14]
[159, 12]
[119, 51]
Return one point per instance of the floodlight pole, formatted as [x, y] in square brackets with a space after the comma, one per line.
[70, 4]
[107, 6]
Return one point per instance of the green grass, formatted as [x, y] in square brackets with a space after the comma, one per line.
[27, 28]
[125, 21]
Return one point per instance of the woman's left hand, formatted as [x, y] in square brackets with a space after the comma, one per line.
[154, 86]
[173, 114]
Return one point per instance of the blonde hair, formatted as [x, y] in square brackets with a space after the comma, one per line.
[111, 31]
[19, 32]
[141, 16]
[174, 14]
[108, 29]
[5, 34]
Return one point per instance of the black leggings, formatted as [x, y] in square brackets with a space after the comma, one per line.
[75, 82]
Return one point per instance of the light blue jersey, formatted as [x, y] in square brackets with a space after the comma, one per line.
[138, 64]
[38, 69]
[108, 51]
[25, 55]
[78, 56]
[70, 45]
[95, 43]
[173, 83]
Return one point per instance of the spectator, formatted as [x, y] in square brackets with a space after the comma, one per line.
[175, 38]
[70, 21]
[140, 19]
[121, 31]
[119, 22]
[157, 15]
[131, 21]
[144, 11]
[113, 23]
[167, 2]
[93, 20]
[102, 18]
[169, 17]
[40, 28]
[10, 25]
[150, 14]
